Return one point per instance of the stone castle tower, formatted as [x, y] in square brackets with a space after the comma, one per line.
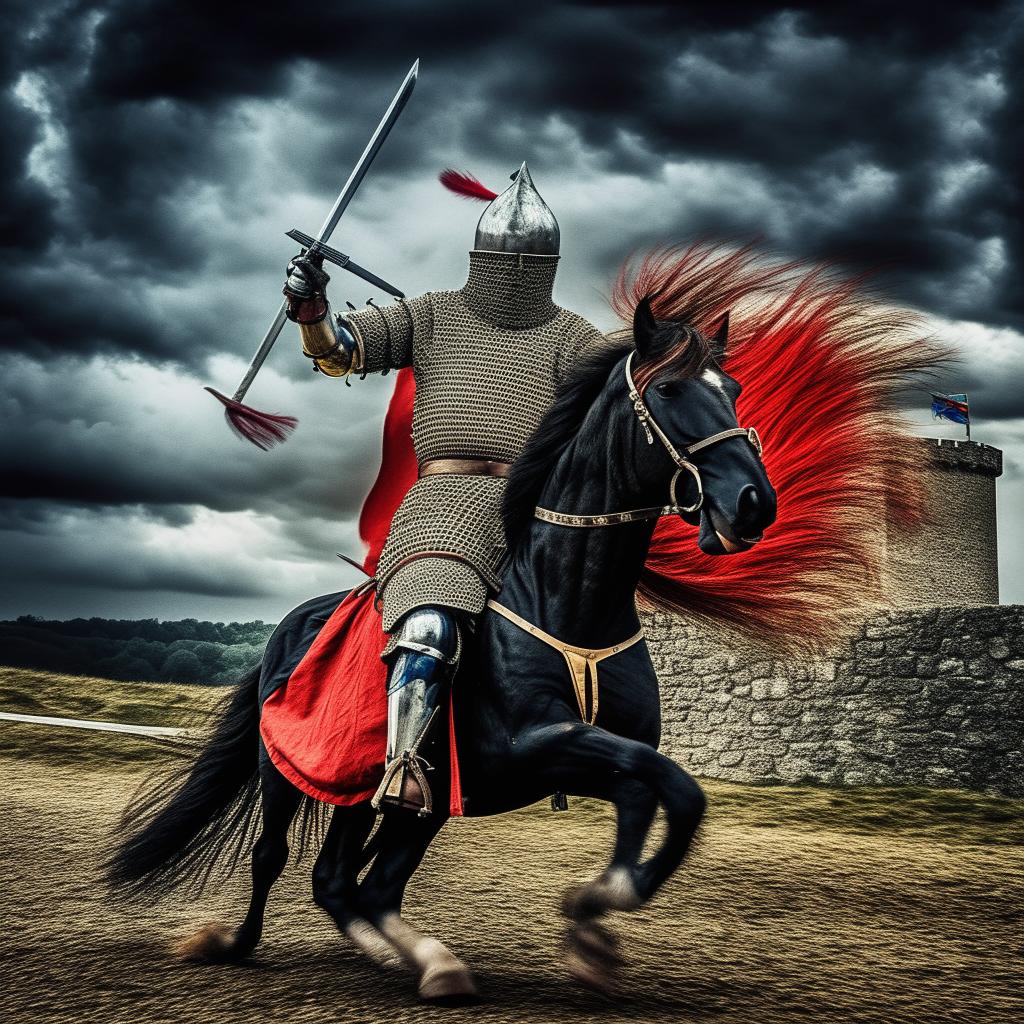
[953, 560]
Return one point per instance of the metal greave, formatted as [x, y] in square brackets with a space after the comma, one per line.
[418, 679]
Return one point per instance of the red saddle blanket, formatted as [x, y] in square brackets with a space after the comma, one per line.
[325, 729]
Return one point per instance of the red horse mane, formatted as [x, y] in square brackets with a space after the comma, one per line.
[821, 364]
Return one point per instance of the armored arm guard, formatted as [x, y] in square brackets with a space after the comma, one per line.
[373, 340]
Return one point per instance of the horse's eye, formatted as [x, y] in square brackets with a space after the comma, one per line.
[666, 388]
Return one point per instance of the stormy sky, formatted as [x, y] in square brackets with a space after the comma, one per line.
[154, 154]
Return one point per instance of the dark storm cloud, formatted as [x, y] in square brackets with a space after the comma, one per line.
[794, 94]
[145, 142]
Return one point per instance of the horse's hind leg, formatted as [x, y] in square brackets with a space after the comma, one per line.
[280, 800]
[402, 841]
[335, 881]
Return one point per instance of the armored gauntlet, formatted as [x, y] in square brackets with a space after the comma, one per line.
[326, 339]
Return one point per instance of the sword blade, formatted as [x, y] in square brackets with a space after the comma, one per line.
[262, 352]
[387, 122]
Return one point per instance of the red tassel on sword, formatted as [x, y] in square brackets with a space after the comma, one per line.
[263, 429]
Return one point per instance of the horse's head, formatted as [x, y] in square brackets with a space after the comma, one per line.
[687, 402]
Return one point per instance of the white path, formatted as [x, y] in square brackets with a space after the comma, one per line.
[84, 723]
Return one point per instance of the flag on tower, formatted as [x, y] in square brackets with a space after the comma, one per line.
[951, 407]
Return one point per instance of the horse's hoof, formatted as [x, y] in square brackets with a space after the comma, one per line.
[594, 977]
[213, 944]
[592, 957]
[448, 986]
[595, 944]
[614, 890]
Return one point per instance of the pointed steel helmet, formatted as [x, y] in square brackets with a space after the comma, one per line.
[518, 220]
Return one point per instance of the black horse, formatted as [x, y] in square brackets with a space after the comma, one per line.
[525, 730]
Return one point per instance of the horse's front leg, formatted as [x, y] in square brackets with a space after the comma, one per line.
[401, 842]
[588, 761]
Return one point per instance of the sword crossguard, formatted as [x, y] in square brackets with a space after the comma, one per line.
[339, 259]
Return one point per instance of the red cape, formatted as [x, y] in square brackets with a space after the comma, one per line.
[325, 729]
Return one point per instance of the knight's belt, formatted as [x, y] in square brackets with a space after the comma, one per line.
[464, 467]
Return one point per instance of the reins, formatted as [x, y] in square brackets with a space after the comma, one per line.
[651, 430]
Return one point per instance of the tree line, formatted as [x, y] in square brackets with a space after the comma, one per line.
[184, 651]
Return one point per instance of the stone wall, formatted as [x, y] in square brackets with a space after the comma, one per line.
[932, 697]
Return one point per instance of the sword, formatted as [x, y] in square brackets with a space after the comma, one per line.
[266, 429]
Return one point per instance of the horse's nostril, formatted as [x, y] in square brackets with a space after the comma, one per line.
[749, 503]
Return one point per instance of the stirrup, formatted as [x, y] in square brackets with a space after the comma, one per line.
[392, 788]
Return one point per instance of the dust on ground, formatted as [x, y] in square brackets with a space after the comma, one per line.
[799, 921]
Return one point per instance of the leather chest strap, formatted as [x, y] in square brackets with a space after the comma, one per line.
[582, 661]
[464, 467]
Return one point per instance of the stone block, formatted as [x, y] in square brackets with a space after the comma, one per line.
[760, 767]
[903, 686]
[998, 649]
[902, 666]
[871, 668]
[825, 671]
[788, 709]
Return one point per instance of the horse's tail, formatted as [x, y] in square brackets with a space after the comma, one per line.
[173, 836]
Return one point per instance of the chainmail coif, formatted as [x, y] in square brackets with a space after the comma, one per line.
[511, 289]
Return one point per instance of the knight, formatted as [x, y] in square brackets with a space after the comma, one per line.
[488, 360]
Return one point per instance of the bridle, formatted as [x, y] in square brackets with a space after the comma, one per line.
[682, 463]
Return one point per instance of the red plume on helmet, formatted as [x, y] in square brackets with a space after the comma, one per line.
[465, 185]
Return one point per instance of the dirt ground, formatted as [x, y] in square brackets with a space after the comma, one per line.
[764, 924]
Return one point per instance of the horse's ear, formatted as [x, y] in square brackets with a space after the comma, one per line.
[644, 326]
[721, 339]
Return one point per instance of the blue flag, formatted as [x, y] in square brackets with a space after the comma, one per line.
[951, 407]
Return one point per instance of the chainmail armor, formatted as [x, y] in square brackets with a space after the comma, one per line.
[485, 376]
[514, 294]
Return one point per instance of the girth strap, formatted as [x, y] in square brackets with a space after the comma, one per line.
[582, 661]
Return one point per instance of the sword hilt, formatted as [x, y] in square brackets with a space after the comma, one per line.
[339, 259]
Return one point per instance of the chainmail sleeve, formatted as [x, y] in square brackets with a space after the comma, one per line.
[387, 336]
[580, 338]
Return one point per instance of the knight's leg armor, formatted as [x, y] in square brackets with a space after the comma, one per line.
[421, 668]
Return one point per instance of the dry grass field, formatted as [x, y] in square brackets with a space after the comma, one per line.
[799, 903]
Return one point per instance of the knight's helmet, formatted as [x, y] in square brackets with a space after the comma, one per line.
[514, 258]
[518, 220]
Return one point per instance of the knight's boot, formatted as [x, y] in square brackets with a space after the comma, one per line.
[421, 669]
